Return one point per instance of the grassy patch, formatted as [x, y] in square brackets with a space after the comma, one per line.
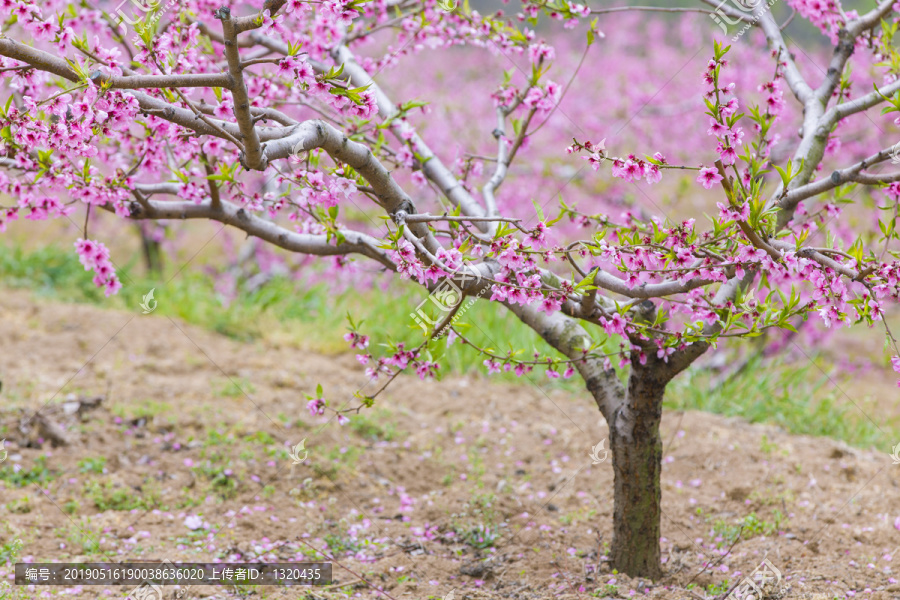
[219, 477]
[108, 496]
[800, 399]
[749, 527]
[21, 506]
[376, 426]
[9, 551]
[96, 465]
[81, 538]
[143, 409]
[37, 473]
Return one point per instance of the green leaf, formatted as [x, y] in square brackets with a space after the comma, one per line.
[537, 209]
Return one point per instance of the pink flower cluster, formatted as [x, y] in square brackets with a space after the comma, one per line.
[94, 255]
[635, 169]
[543, 99]
[827, 15]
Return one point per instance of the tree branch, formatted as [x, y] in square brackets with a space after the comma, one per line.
[253, 157]
[567, 336]
[432, 167]
[319, 134]
[802, 91]
[240, 218]
[846, 175]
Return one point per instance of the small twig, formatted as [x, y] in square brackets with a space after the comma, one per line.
[425, 218]
[332, 559]
[721, 558]
[87, 216]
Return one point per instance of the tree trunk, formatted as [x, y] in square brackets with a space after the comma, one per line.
[637, 464]
[633, 415]
[152, 252]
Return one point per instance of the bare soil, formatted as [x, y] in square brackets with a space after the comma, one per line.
[193, 424]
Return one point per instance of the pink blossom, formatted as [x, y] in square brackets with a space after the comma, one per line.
[708, 177]
[316, 406]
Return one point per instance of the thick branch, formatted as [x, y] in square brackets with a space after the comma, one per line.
[567, 336]
[847, 175]
[133, 82]
[255, 21]
[802, 91]
[254, 157]
[851, 107]
[53, 64]
[36, 58]
[505, 157]
[319, 134]
[230, 214]
[184, 117]
[604, 280]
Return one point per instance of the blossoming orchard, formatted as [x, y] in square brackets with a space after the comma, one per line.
[272, 118]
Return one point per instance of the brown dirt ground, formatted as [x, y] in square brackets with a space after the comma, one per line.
[394, 495]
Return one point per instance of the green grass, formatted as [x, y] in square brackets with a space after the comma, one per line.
[37, 473]
[375, 426]
[105, 495]
[232, 388]
[218, 481]
[798, 398]
[9, 550]
[749, 527]
[96, 465]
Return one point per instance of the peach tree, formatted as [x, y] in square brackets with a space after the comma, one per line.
[265, 116]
